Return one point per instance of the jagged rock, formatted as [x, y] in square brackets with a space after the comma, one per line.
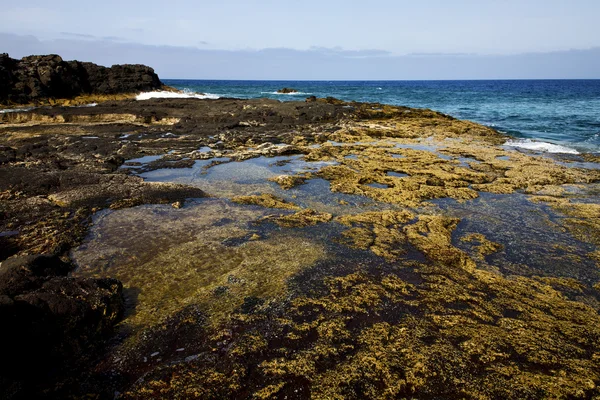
[38, 78]
[22, 274]
[49, 317]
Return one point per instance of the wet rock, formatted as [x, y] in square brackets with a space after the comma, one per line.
[120, 190]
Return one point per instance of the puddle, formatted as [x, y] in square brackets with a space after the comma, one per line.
[139, 162]
[425, 147]
[378, 185]
[250, 177]
[396, 174]
[528, 231]
[580, 164]
[464, 161]
[168, 258]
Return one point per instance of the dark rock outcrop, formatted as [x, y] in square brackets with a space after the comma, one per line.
[287, 91]
[49, 317]
[37, 78]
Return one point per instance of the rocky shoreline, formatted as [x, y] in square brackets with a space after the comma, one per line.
[398, 279]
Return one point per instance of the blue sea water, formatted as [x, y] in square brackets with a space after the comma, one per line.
[564, 112]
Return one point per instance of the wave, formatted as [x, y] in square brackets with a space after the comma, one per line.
[175, 95]
[11, 110]
[545, 147]
[288, 94]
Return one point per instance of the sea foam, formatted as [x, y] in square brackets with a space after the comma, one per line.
[288, 94]
[175, 95]
[11, 110]
[540, 146]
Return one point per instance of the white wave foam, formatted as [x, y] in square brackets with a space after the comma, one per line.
[288, 94]
[174, 95]
[540, 146]
[11, 110]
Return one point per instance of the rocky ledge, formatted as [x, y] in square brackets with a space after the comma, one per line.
[42, 79]
[428, 302]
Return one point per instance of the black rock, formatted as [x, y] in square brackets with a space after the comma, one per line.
[37, 78]
[51, 318]
[22, 274]
[287, 90]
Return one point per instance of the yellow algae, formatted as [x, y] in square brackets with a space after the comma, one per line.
[485, 246]
[288, 181]
[432, 234]
[457, 334]
[192, 272]
[596, 256]
[300, 219]
[583, 219]
[176, 257]
[379, 232]
[265, 200]
[458, 331]
[432, 166]
[385, 218]
[452, 328]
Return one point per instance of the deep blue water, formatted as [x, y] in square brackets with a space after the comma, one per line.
[565, 112]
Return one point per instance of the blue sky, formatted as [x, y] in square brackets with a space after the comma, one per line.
[234, 39]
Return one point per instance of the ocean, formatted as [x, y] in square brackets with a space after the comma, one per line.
[545, 115]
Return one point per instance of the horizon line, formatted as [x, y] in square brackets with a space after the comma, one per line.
[381, 80]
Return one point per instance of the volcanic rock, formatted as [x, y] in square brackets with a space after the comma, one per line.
[49, 317]
[39, 78]
[287, 91]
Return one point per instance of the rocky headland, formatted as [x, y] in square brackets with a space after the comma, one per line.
[230, 248]
[49, 79]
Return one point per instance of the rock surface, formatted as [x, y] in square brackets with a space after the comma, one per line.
[469, 324]
[37, 78]
[50, 318]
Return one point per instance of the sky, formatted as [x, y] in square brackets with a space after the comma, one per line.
[325, 39]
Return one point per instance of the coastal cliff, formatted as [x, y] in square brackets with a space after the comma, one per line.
[39, 79]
